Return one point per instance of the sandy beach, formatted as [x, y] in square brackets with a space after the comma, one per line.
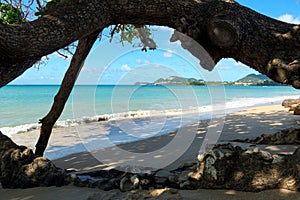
[248, 123]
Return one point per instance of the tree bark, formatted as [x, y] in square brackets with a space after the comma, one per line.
[224, 28]
[82, 51]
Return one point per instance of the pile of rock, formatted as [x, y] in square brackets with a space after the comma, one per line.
[293, 105]
[224, 167]
[290, 136]
[231, 167]
[180, 178]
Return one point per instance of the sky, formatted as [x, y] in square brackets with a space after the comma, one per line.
[112, 63]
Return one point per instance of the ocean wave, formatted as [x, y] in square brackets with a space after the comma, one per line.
[227, 107]
[98, 118]
[248, 102]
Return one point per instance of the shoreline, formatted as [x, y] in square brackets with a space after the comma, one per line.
[247, 123]
[67, 143]
[20, 124]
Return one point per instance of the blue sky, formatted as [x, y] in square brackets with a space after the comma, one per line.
[111, 63]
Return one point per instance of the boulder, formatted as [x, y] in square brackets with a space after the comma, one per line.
[292, 107]
[20, 168]
[297, 110]
[289, 102]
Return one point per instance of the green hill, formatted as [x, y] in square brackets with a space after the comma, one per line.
[251, 80]
[174, 80]
[255, 79]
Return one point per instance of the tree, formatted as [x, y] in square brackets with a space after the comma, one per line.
[223, 27]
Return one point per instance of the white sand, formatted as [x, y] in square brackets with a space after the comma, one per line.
[248, 123]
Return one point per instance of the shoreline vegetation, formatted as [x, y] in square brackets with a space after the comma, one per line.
[249, 80]
[248, 123]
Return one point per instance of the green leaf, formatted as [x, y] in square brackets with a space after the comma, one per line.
[10, 14]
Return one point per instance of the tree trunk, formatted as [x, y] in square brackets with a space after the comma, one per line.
[82, 51]
[224, 28]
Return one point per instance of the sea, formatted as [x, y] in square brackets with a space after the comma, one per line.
[23, 105]
[146, 105]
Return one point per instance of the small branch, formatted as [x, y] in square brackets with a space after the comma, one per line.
[147, 42]
[61, 54]
[112, 32]
[39, 4]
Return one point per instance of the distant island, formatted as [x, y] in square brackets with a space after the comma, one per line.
[249, 80]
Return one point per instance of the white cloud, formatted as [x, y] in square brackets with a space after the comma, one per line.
[138, 61]
[239, 64]
[168, 54]
[289, 19]
[44, 58]
[125, 68]
[147, 62]
[162, 28]
[224, 67]
[230, 64]
[90, 70]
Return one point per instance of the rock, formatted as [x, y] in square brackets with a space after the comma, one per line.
[135, 181]
[266, 155]
[145, 183]
[102, 119]
[210, 160]
[212, 172]
[125, 184]
[184, 176]
[289, 102]
[162, 176]
[185, 185]
[20, 168]
[108, 185]
[247, 170]
[292, 107]
[173, 191]
[173, 178]
[283, 137]
[6, 143]
[201, 157]
[161, 180]
[256, 150]
[277, 159]
[187, 165]
[163, 173]
[297, 110]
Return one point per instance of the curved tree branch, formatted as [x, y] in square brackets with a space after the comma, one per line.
[223, 27]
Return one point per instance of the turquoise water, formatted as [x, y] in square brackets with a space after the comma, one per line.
[27, 104]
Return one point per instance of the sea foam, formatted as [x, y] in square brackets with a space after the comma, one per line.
[206, 111]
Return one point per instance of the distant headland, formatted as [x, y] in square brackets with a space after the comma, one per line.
[249, 80]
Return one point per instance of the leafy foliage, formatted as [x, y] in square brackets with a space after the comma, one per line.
[10, 14]
[128, 32]
[41, 10]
